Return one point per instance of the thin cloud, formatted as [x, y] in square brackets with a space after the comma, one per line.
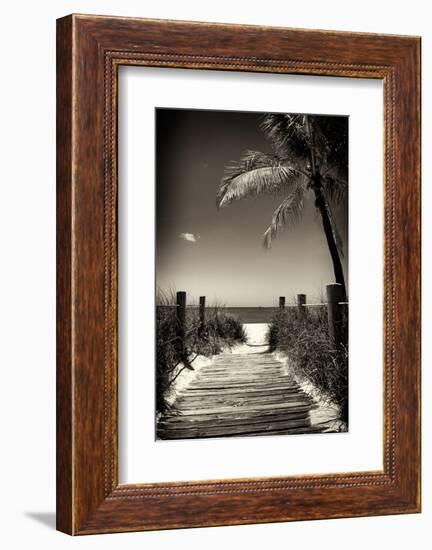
[190, 237]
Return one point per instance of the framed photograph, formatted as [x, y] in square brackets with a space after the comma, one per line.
[238, 288]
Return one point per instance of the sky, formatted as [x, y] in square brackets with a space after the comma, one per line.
[218, 253]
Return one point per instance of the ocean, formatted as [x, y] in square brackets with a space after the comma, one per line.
[251, 315]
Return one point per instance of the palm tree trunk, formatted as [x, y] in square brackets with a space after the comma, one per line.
[321, 204]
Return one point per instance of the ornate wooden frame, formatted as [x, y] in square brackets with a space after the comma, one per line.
[89, 52]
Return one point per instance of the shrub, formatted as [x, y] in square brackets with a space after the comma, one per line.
[220, 330]
[304, 338]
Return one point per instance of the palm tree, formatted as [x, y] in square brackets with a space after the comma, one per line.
[310, 154]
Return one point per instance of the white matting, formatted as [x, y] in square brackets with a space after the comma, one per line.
[141, 458]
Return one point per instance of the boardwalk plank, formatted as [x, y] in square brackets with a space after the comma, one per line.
[244, 394]
[232, 420]
[187, 402]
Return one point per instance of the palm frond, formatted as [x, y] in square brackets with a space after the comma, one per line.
[286, 214]
[291, 140]
[254, 174]
[288, 135]
[331, 138]
[335, 188]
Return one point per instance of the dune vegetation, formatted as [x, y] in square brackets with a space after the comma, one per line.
[304, 339]
[174, 355]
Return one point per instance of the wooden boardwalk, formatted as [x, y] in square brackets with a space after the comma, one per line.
[239, 394]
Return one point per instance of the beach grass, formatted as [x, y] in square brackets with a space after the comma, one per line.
[304, 338]
[219, 331]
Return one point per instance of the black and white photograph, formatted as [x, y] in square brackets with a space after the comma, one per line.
[251, 273]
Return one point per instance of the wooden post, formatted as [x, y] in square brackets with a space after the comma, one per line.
[281, 302]
[335, 295]
[301, 301]
[202, 311]
[181, 320]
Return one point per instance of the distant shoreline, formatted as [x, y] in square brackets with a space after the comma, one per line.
[251, 315]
